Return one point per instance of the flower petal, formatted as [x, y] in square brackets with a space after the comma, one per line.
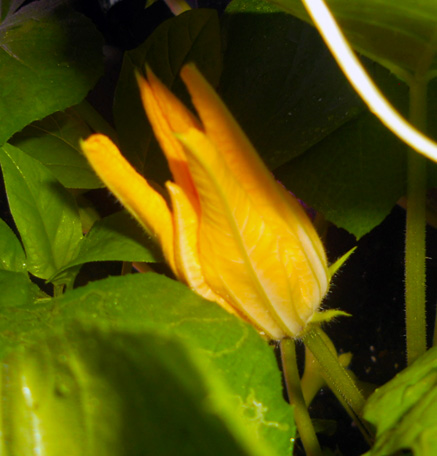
[141, 200]
[279, 209]
[242, 258]
[186, 225]
[168, 115]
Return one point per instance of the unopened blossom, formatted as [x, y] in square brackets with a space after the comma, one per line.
[229, 231]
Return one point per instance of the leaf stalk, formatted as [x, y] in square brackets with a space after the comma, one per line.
[337, 377]
[294, 390]
[415, 314]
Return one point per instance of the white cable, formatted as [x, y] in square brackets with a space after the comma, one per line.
[363, 84]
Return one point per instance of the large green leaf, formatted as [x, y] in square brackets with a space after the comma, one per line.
[280, 81]
[102, 392]
[191, 37]
[44, 212]
[404, 410]
[118, 237]
[401, 35]
[54, 141]
[231, 347]
[354, 176]
[50, 57]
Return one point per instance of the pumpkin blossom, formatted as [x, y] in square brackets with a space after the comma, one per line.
[229, 231]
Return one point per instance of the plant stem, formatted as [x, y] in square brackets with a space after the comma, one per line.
[126, 268]
[58, 290]
[336, 376]
[301, 415]
[415, 231]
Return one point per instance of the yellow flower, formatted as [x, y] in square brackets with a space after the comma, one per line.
[231, 232]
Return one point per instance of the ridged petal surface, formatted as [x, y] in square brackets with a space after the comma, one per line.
[242, 258]
[186, 228]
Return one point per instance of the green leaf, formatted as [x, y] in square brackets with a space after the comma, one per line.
[404, 410]
[15, 289]
[12, 257]
[354, 176]
[44, 212]
[118, 237]
[54, 141]
[142, 302]
[191, 37]
[399, 35]
[93, 391]
[280, 81]
[50, 57]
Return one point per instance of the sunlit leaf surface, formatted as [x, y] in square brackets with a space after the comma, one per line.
[44, 212]
[99, 392]
[140, 303]
[404, 410]
[12, 257]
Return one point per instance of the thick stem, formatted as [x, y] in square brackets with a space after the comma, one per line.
[415, 232]
[336, 376]
[301, 415]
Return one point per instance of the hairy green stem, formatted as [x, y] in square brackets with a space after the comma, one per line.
[301, 415]
[337, 377]
[415, 232]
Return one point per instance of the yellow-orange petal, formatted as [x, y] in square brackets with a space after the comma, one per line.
[186, 226]
[136, 195]
[241, 256]
[281, 211]
[167, 116]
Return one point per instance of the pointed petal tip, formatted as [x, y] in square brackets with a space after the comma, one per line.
[96, 143]
[147, 80]
[190, 72]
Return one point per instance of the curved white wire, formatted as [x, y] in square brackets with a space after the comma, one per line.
[362, 82]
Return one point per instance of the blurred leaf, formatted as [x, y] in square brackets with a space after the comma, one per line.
[280, 81]
[12, 257]
[399, 35]
[15, 289]
[54, 141]
[44, 212]
[354, 176]
[50, 57]
[151, 302]
[9, 7]
[118, 237]
[404, 410]
[104, 392]
[191, 37]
